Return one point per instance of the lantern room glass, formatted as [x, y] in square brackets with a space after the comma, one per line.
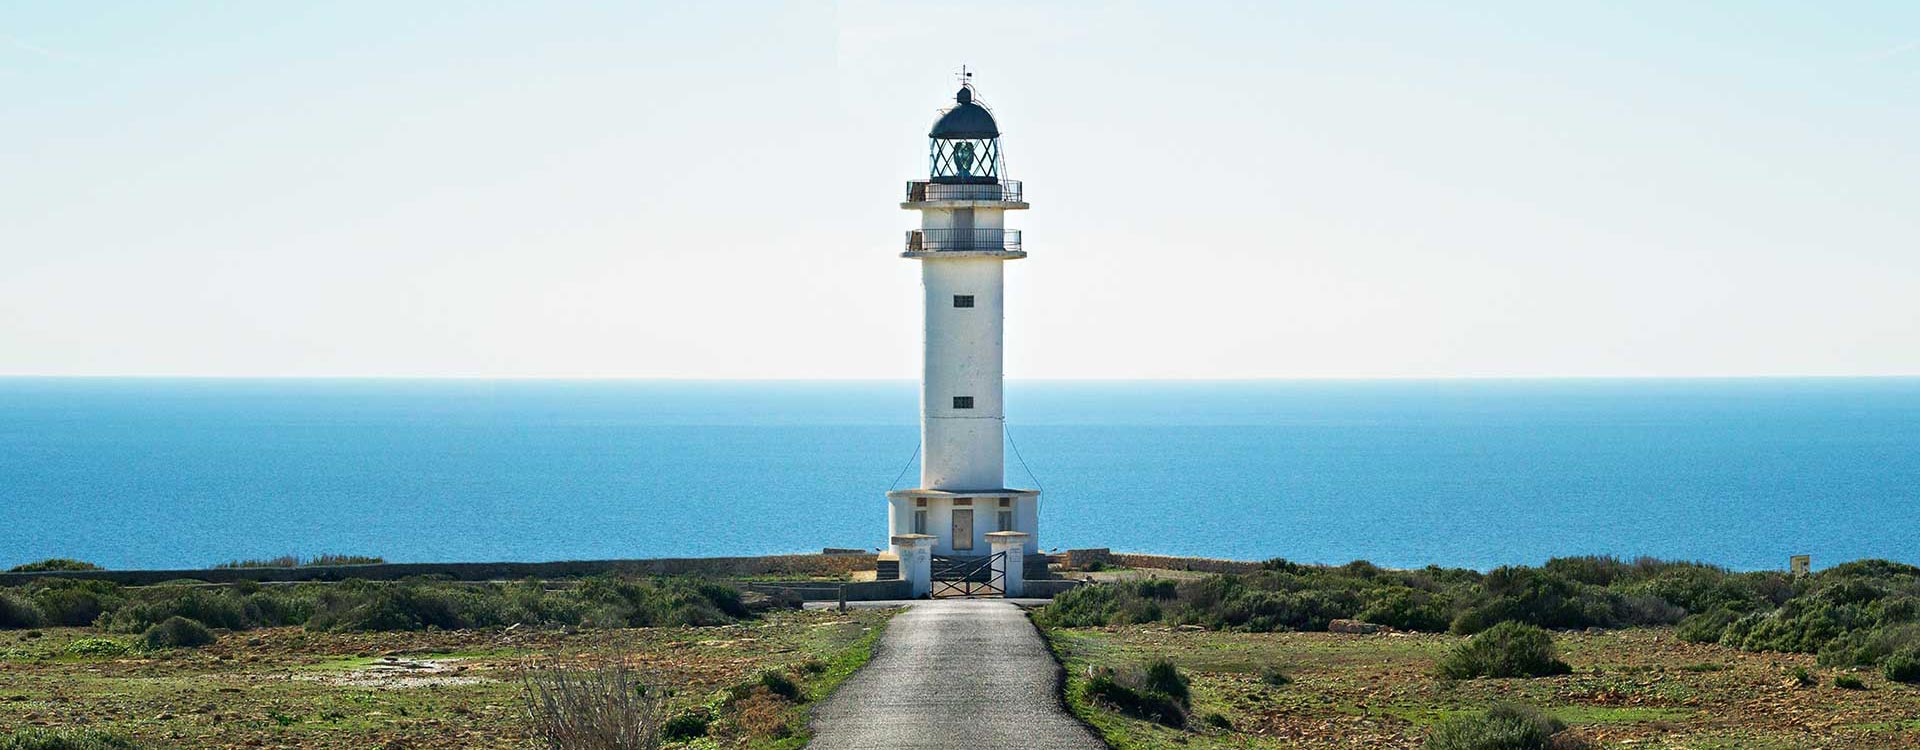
[964, 161]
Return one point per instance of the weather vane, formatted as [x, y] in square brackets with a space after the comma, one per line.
[966, 77]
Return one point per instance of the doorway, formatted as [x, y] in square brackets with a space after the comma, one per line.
[963, 528]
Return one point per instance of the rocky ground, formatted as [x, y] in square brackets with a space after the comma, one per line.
[288, 688]
[1639, 688]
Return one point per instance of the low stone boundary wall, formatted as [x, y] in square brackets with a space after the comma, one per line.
[826, 591]
[1081, 558]
[798, 566]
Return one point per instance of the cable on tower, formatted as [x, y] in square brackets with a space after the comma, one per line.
[903, 469]
[1023, 459]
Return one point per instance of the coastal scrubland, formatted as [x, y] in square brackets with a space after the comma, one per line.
[409, 664]
[1601, 652]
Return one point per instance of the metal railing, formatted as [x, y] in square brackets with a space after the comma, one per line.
[960, 240]
[1005, 191]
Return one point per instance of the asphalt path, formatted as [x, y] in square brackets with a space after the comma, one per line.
[953, 674]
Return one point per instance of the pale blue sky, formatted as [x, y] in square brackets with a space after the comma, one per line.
[709, 190]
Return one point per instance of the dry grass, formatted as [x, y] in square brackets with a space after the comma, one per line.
[597, 708]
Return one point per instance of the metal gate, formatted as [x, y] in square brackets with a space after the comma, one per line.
[969, 577]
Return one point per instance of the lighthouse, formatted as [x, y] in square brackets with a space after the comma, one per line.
[963, 507]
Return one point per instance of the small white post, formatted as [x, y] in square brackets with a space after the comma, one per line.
[916, 562]
[1010, 561]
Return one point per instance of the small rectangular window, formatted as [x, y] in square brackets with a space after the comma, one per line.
[919, 522]
[1006, 520]
[963, 300]
[962, 402]
[1006, 502]
[963, 501]
[919, 502]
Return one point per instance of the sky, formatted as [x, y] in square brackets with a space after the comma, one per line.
[711, 190]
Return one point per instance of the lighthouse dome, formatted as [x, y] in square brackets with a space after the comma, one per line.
[967, 120]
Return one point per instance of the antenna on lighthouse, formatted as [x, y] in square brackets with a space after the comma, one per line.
[966, 77]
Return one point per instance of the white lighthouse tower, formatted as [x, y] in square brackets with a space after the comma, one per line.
[962, 246]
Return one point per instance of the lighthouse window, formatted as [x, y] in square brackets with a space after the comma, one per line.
[1006, 520]
[1006, 502]
[963, 300]
[919, 522]
[962, 402]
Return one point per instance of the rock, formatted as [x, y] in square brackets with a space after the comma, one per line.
[1353, 627]
[1191, 628]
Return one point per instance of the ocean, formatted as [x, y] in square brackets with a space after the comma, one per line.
[134, 473]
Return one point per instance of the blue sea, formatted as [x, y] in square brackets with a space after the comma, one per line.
[132, 473]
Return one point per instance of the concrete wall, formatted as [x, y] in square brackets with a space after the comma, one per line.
[986, 519]
[963, 449]
[798, 566]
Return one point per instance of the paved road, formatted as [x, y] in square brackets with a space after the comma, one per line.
[958, 674]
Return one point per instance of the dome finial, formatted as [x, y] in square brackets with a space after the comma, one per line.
[966, 86]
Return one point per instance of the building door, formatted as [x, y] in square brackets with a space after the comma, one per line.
[963, 528]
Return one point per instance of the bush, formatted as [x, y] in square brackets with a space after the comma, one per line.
[606, 708]
[63, 739]
[296, 561]
[687, 725]
[54, 564]
[177, 632]
[1218, 720]
[1275, 677]
[1113, 690]
[1903, 666]
[1161, 676]
[780, 685]
[17, 611]
[1509, 649]
[1706, 627]
[1849, 682]
[218, 608]
[1503, 727]
[1802, 677]
[75, 603]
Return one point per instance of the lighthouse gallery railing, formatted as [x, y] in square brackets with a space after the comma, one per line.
[1006, 191]
[960, 240]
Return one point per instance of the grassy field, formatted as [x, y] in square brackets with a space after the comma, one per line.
[1632, 688]
[291, 688]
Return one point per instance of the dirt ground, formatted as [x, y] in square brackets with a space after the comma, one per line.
[1639, 688]
[288, 688]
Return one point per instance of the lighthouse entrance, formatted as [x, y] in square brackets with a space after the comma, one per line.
[969, 577]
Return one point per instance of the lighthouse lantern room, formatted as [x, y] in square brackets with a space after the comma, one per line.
[963, 246]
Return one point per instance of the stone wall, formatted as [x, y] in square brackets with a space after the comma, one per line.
[797, 566]
[1080, 559]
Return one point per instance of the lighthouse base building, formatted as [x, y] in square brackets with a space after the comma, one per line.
[963, 520]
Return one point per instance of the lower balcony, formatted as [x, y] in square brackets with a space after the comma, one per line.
[963, 241]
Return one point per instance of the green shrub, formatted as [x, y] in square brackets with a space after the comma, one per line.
[1275, 677]
[296, 561]
[218, 608]
[177, 632]
[1903, 666]
[1866, 648]
[1124, 694]
[75, 603]
[1509, 649]
[1161, 676]
[1502, 727]
[687, 725]
[17, 611]
[1080, 607]
[1218, 720]
[1706, 627]
[1802, 677]
[1405, 608]
[1849, 682]
[63, 739]
[780, 685]
[54, 564]
[97, 647]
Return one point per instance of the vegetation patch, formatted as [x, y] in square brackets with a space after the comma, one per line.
[1502, 727]
[296, 561]
[1509, 649]
[33, 738]
[52, 564]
